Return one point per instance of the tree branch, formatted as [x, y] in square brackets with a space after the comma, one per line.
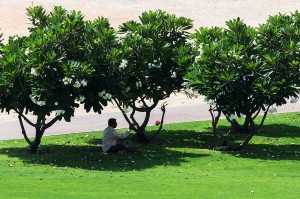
[49, 124]
[23, 130]
[146, 120]
[256, 114]
[248, 137]
[154, 104]
[264, 117]
[163, 109]
[26, 119]
[133, 119]
[144, 103]
[236, 126]
[139, 109]
[124, 114]
[39, 122]
[215, 120]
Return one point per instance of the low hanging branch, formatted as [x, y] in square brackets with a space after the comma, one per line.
[133, 119]
[25, 118]
[23, 130]
[49, 124]
[20, 116]
[264, 117]
[163, 109]
[136, 125]
[257, 113]
[236, 126]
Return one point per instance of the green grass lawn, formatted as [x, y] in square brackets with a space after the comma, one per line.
[179, 164]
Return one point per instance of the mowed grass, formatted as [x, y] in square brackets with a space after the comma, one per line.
[179, 164]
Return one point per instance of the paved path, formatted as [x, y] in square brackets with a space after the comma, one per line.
[97, 122]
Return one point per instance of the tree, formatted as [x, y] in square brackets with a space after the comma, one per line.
[229, 70]
[153, 61]
[44, 73]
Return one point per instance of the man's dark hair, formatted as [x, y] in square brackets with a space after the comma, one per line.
[112, 121]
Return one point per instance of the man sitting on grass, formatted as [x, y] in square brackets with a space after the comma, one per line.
[111, 136]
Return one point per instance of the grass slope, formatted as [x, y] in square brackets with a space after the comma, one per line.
[178, 165]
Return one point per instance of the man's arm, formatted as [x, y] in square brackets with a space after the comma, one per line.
[120, 135]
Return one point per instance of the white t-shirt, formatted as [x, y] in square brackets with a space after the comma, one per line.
[110, 137]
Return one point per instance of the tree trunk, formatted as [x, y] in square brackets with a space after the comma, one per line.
[214, 121]
[246, 123]
[252, 132]
[140, 136]
[33, 148]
